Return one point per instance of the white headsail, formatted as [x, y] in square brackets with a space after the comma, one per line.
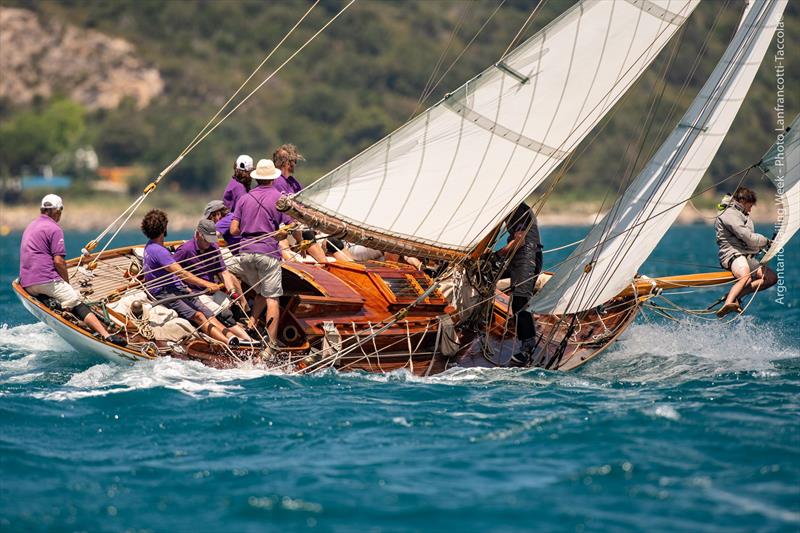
[782, 164]
[607, 260]
[450, 175]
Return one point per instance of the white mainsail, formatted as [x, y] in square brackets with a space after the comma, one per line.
[782, 164]
[607, 260]
[448, 176]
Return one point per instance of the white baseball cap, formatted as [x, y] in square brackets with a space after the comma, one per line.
[244, 162]
[52, 201]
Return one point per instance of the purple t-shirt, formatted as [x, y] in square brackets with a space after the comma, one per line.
[224, 228]
[204, 265]
[287, 185]
[42, 240]
[257, 215]
[156, 277]
[233, 192]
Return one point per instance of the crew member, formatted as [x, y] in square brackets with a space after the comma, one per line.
[43, 270]
[738, 245]
[163, 279]
[524, 249]
[201, 256]
[258, 221]
[240, 181]
[286, 158]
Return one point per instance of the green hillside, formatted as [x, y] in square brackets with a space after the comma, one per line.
[359, 80]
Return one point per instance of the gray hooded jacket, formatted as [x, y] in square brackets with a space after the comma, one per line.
[735, 234]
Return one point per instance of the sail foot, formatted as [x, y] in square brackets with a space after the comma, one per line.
[364, 236]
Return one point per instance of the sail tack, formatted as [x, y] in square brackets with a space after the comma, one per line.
[607, 260]
[782, 165]
[454, 172]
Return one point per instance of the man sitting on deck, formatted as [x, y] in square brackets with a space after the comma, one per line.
[201, 257]
[524, 266]
[738, 244]
[163, 275]
[258, 221]
[43, 270]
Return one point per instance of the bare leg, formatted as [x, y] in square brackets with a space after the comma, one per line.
[259, 304]
[273, 314]
[239, 332]
[741, 271]
[93, 322]
[213, 328]
[315, 251]
[342, 255]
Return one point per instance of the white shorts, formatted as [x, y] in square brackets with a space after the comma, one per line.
[232, 263]
[362, 253]
[263, 273]
[58, 289]
[216, 302]
[748, 262]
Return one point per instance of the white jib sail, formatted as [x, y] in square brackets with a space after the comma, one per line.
[451, 174]
[782, 164]
[608, 259]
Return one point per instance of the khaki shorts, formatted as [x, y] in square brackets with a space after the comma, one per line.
[66, 296]
[742, 261]
[263, 273]
[232, 263]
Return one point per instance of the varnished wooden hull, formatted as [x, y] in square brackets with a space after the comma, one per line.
[358, 300]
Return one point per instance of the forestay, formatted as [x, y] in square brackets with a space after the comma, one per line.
[782, 164]
[454, 172]
[608, 259]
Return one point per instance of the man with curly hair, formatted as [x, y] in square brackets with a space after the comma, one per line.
[164, 280]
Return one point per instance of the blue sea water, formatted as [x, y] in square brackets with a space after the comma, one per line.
[680, 426]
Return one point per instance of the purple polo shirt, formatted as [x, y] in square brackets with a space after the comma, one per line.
[156, 277]
[204, 265]
[257, 215]
[287, 185]
[233, 192]
[42, 241]
[224, 228]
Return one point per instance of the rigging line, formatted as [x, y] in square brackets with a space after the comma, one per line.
[199, 140]
[530, 18]
[252, 74]
[424, 94]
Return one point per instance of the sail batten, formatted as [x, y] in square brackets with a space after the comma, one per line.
[451, 174]
[607, 260]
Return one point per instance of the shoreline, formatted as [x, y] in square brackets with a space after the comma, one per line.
[84, 217]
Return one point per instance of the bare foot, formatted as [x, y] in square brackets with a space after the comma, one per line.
[729, 308]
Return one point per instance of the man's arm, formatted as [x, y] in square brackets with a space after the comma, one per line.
[286, 251]
[61, 267]
[512, 244]
[185, 275]
[234, 229]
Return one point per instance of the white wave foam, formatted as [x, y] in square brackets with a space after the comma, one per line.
[690, 349]
[29, 338]
[189, 377]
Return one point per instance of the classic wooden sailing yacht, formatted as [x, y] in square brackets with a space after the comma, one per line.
[440, 186]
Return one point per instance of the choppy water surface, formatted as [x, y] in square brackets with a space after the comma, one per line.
[689, 425]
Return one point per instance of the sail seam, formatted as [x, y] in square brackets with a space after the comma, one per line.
[659, 12]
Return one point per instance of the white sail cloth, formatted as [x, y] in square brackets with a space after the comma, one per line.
[782, 164]
[608, 259]
[450, 175]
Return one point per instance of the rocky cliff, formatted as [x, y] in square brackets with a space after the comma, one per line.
[42, 57]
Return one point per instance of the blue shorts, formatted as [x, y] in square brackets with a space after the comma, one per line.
[186, 307]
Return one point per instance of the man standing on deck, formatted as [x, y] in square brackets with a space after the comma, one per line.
[258, 221]
[43, 270]
[286, 158]
[738, 245]
[240, 181]
[525, 251]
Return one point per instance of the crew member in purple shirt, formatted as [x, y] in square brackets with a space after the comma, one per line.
[164, 279]
[258, 221]
[201, 256]
[43, 270]
[240, 181]
[286, 158]
[217, 213]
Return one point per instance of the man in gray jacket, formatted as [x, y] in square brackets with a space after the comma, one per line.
[738, 245]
